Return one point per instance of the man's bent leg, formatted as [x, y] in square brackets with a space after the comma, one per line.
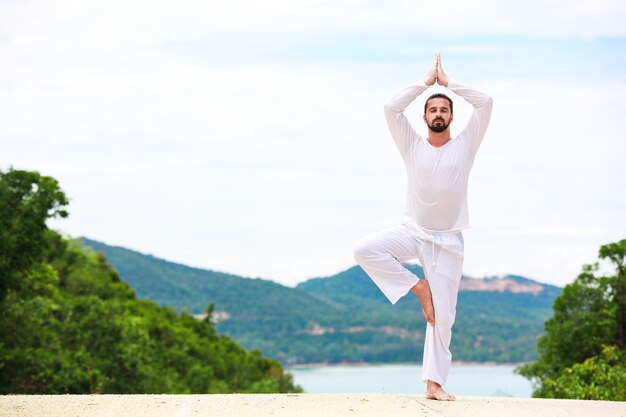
[381, 255]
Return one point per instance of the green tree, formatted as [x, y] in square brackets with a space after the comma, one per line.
[69, 324]
[616, 253]
[601, 377]
[585, 334]
[27, 200]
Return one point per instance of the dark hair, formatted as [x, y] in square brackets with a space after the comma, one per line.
[438, 95]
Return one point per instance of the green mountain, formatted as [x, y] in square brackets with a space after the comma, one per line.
[343, 318]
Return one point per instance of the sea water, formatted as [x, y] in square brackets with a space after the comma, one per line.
[475, 380]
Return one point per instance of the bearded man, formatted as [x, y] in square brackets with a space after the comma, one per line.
[438, 169]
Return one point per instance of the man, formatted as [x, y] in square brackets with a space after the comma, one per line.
[436, 212]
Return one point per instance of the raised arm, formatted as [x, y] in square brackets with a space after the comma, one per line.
[482, 103]
[479, 121]
[401, 130]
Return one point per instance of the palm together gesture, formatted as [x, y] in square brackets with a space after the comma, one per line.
[436, 73]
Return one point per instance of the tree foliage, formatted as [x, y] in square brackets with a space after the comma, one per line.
[585, 337]
[27, 200]
[69, 324]
[600, 377]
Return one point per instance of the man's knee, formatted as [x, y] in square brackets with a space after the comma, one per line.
[360, 253]
[363, 251]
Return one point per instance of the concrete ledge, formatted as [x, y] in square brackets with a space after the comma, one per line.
[296, 405]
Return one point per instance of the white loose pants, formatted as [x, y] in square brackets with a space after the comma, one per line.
[441, 255]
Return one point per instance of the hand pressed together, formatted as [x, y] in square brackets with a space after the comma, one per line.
[436, 73]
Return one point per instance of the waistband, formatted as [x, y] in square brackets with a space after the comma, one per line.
[438, 238]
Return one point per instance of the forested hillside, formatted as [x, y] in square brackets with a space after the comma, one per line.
[69, 324]
[343, 318]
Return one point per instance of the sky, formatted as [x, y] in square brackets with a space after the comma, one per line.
[248, 137]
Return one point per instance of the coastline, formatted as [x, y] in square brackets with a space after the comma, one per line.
[301, 366]
[468, 379]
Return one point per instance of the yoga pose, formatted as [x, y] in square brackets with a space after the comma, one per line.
[436, 212]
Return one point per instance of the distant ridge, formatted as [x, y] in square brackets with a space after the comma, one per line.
[344, 317]
[507, 283]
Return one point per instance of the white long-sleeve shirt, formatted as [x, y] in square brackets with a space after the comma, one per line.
[437, 178]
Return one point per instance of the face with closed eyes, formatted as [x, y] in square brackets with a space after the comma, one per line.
[438, 115]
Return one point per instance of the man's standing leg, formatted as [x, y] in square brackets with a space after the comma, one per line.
[444, 275]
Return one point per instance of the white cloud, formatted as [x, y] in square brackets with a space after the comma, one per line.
[275, 166]
[295, 180]
[115, 23]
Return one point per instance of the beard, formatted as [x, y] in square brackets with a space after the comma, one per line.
[439, 125]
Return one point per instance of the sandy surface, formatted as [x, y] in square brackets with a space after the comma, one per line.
[296, 405]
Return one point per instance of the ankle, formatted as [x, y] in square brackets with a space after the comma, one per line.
[418, 287]
[432, 384]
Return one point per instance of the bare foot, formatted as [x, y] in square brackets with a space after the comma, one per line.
[434, 391]
[422, 290]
